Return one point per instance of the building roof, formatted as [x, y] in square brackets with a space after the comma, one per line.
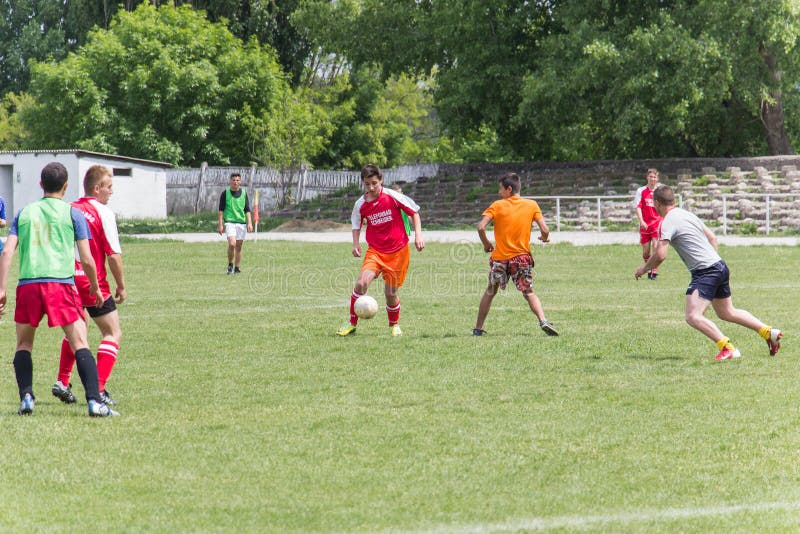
[88, 153]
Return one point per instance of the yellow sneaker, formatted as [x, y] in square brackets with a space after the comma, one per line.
[396, 332]
[346, 330]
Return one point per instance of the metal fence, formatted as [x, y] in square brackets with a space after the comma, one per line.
[760, 212]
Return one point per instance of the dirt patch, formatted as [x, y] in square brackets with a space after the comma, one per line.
[312, 225]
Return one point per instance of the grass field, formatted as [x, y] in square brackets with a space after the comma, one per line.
[242, 412]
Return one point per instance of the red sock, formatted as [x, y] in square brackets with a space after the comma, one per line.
[393, 313]
[353, 317]
[106, 358]
[66, 363]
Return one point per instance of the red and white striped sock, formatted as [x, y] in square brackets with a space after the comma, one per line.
[106, 358]
[394, 313]
[353, 317]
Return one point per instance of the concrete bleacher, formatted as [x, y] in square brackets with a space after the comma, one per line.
[456, 200]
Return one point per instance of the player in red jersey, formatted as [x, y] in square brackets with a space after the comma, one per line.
[98, 188]
[649, 219]
[388, 253]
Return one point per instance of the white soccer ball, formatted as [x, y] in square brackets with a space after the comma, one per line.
[366, 307]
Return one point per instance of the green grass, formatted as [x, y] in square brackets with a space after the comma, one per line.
[242, 412]
[196, 222]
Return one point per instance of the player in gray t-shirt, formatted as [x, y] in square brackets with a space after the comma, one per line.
[697, 247]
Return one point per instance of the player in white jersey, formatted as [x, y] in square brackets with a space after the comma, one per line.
[104, 245]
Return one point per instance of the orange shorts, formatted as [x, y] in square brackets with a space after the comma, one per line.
[393, 265]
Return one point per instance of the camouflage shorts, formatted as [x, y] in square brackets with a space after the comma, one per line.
[519, 269]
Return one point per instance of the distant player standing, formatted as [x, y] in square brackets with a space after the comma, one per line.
[47, 233]
[649, 219]
[98, 188]
[710, 284]
[234, 220]
[511, 259]
[388, 253]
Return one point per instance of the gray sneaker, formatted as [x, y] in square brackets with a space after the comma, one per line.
[26, 405]
[548, 328]
[99, 409]
[63, 393]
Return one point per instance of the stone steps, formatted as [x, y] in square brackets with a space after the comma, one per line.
[459, 200]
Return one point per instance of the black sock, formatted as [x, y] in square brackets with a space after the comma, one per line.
[23, 367]
[87, 369]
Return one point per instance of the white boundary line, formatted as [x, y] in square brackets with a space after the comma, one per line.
[560, 522]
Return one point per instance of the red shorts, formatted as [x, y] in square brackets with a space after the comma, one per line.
[85, 289]
[645, 236]
[393, 265]
[60, 302]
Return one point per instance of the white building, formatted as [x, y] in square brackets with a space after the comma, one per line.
[140, 185]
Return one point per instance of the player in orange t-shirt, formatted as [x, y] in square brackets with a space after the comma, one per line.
[511, 258]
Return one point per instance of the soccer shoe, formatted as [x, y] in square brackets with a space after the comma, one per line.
[652, 275]
[478, 331]
[230, 269]
[396, 332]
[26, 405]
[774, 341]
[548, 328]
[346, 330]
[236, 270]
[63, 393]
[107, 399]
[727, 354]
[99, 409]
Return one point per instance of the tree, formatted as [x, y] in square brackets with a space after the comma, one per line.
[29, 29]
[287, 138]
[478, 51]
[12, 134]
[763, 37]
[267, 21]
[160, 83]
[673, 78]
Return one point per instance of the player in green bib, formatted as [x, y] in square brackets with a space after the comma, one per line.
[234, 220]
[47, 232]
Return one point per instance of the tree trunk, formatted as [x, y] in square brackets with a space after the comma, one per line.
[772, 116]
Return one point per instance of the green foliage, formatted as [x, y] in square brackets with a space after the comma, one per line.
[12, 133]
[268, 23]
[29, 29]
[483, 144]
[288, 137]
[387, 124]
[161, 84]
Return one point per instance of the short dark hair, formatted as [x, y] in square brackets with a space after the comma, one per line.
[235, 174]
[54, 176]
[511, 180]
[664, 195]
[371, 170]
[94, 175]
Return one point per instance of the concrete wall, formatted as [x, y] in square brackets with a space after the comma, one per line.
[183, 184]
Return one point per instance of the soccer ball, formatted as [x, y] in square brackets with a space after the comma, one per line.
[366, 307]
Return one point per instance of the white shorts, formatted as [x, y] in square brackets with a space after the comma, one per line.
[237, 230]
